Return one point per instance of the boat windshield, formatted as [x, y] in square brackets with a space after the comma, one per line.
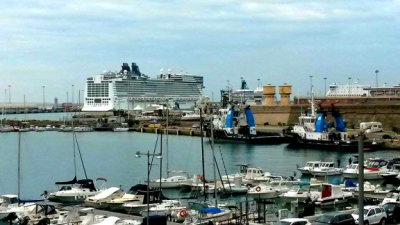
[65, 188]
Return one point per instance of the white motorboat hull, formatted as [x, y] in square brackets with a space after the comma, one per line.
[367, 176]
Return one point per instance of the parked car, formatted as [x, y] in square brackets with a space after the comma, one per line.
[373, 214]
[335, 218]
[392, 211]
[294, 221]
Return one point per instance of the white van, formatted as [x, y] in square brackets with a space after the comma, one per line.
[371, 127]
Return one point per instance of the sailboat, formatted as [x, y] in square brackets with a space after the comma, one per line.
[11, 205]
[180, 179]
[75, 190]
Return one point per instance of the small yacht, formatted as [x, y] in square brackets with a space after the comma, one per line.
[374, 169]
[326, 169]
[393, 173]
[132, 195]
[10, 204]
[73, 191]
[305, 170]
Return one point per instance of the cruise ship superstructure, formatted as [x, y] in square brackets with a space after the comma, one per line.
[129, 89]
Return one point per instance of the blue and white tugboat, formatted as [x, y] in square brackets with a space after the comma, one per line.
[314, 131]
[237, 123]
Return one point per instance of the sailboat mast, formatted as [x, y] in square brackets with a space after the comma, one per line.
[19, 167]
[214, 164]
[312, 97]
[161, 152]
[73, 130]
[166, 139]
[202, 154]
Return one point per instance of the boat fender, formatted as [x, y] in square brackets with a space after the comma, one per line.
[258, 188]
[183, 213]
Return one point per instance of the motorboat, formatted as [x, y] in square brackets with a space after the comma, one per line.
[7, 129]
[176, 181]
[332, 195]
[248, 174]
[393, 173]
[144, 199]
[73, 191]
[82, 129]
[133, 194]
[305, 170]
[100, 200]
[200, 213]
[391, 197]
[165, 208]
[123, 128]
[267, 191]
[326, 169]
[374, 169]
[300, 195]
[10, 204]
[235, 188]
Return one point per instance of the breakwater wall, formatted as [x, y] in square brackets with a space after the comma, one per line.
[388, 115]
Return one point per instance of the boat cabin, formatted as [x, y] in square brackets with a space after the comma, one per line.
[6, 200]
[376, 163]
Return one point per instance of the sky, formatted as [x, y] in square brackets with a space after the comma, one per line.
[58, 44]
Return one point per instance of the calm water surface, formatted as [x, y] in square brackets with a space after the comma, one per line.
[48, 157]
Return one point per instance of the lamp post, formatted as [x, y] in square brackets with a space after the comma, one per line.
[376, 78]
[44, 107]
[325, 84]
[349, 79]
[148, 154]
[361, 136]
[9, 94]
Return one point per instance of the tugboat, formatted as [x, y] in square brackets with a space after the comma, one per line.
[237, 123]
[314, 131]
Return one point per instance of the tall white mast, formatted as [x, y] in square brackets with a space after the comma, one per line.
[312, 97]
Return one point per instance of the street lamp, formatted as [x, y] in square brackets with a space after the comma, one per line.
[349, 78]
[325, 84]
[376, 77]
[148, 154]
[44, 107]
[9, 94]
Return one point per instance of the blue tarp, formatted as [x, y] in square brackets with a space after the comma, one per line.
[212, 210]
[349, 183]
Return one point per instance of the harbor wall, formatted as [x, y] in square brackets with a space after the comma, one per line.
[388, 115]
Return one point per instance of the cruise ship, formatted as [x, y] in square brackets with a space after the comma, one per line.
[129, 89]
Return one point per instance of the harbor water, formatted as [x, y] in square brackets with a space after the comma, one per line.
[47, 157]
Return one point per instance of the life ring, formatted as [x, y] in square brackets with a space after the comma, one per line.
[258, 188]
[183, 213]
